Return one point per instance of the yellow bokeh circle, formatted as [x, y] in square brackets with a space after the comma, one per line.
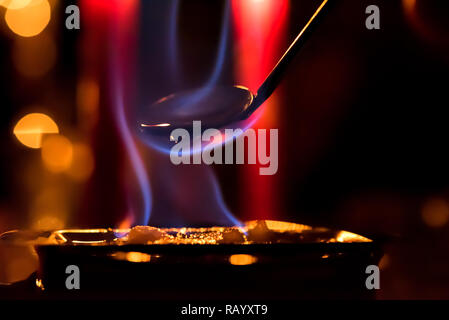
[14, 4]
[30, 129]
[57, 153]
[83, 162]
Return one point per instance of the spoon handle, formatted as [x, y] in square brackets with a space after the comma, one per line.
[276, 75]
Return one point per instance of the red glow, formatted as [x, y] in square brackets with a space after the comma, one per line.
[102, 19]
[259, 34]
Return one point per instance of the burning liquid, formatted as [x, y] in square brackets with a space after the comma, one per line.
[215, 107]
[252, 232]
[173, 195]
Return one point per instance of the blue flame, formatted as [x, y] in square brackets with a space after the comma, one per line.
[173, 44]
[221, 203]
[136, 161]
[163, 145]
[206, 191]
[187, 195]
[128, 141]
[222, 47]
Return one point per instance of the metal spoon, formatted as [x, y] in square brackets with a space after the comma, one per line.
[217, 107]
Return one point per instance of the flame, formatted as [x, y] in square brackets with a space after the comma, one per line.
[197, 97]
[281, 226]
[40, 284]
[251, 233]
[222, 47]
[345, 236]
[126, 224]
[126, 14]
[172, 43]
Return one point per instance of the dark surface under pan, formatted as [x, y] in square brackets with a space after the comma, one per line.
[280, 271]
[298, 262]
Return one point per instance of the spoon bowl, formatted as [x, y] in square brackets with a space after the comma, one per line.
[215, 107]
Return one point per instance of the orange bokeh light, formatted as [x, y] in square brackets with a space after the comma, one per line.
[242, 259]
[29, 20]
[30, 129]
[34, 57]
[83, 163]
[57, 153]
[14, 4]
[49, 209]
[88, 98]
[435, 213]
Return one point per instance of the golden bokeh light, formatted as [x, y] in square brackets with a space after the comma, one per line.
[345, 236]
[18, 262]
[14, 4]
[31, 128]
[242, 259]
[30, 20]
[126, 223]
[49, 222]
[49, 210]
[138, 257]
[48, 200]
[132, 256]
[34, 57]
[57, 153]
[88, 97]
[82, 164]
[384, 263]
[435, 213]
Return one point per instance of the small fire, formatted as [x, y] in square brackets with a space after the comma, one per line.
[124, 227]
[126, 224]
[345, 236]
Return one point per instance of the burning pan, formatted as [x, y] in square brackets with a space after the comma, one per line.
[261, 260]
